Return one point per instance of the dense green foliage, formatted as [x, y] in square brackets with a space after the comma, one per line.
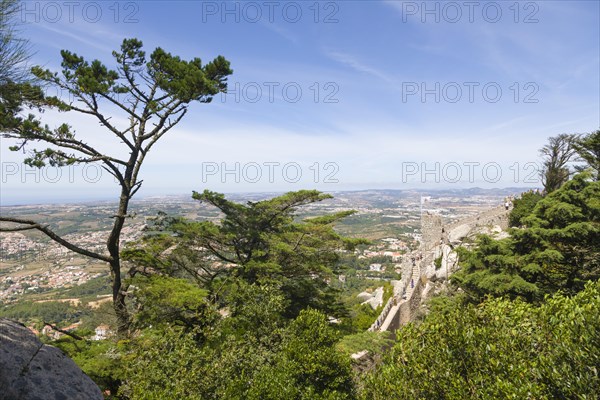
[257, 243]
[50, 311]
[165, 300]
[557, 250]
[263, 269]
[523, 207]
[374, 342]
[308, 365]
[501, 349]
[363, 316]
[100, 360]
[88, 290]
[297, 361]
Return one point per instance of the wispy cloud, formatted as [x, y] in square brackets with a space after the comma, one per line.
[502, 126]
[78, 36]
[357, 65]
[284, 33]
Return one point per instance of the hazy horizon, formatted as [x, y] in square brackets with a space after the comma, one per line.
[89, 199]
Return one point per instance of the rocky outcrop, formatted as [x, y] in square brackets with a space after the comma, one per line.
[31, 370]
[373, 299]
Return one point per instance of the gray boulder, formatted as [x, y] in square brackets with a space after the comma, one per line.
[31, 370]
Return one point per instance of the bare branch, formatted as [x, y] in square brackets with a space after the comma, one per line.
[104, 121]
[219, 255]
[116, 173]
[163, 119]
[121, 106]
[126, 70]
[136, 186]
[48, 232]
[24, 228]
[54, 327]
[168, 128]
[78, 145]
[92, 106]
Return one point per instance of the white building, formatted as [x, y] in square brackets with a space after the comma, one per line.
[375, 267]
[102, 332]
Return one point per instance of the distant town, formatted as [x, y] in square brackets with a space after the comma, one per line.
[31, 263]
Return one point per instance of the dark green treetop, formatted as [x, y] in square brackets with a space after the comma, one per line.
[260, 242]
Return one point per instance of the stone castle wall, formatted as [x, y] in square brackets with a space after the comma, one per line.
[495, 216]
[436, 237]
[431, 230]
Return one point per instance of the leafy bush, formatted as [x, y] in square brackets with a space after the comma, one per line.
[501, 349]
[522, 207]
[297, 362]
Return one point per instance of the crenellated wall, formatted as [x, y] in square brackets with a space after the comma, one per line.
[435, 242]
[494, 216]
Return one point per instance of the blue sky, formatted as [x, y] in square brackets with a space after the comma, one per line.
[337, 95]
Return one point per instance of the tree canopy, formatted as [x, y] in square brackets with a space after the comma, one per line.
[588, 149]
[152, 94]
[295, 361]
[557, 154]
[260, 242]
[556, 249]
